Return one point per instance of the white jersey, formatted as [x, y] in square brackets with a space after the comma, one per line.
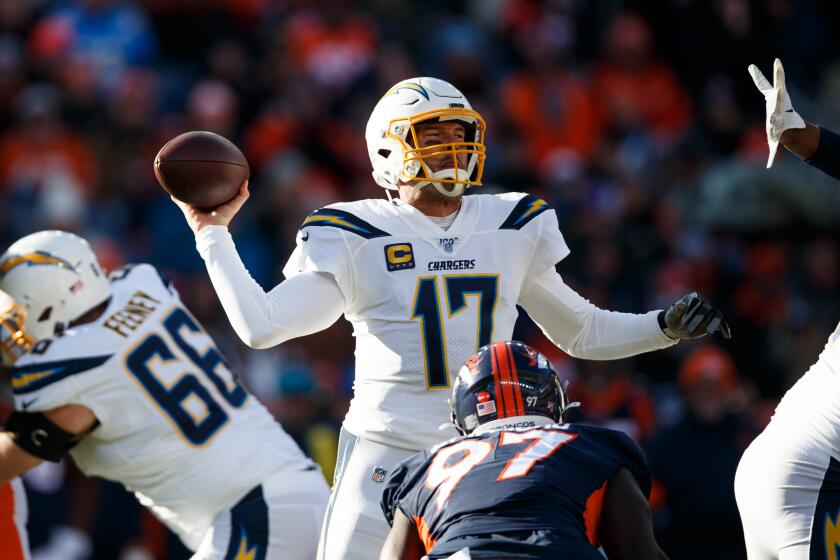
[174, 425]
[787, 478]
[422, 300]
[810, 410]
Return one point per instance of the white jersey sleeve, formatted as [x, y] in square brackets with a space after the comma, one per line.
[41, 386]
[570, 321]
[585, 331]
[535, 218]
[323, 245]
[303, 304]
[551, 247]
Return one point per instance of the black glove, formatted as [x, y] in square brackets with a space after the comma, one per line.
[692, 317]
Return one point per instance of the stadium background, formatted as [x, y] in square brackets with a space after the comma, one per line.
[637, 121]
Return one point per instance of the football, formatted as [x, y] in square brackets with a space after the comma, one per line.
[201, 168]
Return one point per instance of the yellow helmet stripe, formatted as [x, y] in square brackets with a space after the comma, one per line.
[410, 85]
[32, 258]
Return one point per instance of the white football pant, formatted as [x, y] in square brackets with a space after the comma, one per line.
[355, 527]
[278, 520]
[788, 494]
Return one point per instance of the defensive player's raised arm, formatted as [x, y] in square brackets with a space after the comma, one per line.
[585, 331]
[303, 304]
[817, 146]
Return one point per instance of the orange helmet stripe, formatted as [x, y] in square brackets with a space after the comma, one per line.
[513, 378]
[502, 370]
[500, 398]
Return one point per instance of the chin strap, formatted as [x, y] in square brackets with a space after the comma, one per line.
[566, 405]
[439, 187]
[457, 189]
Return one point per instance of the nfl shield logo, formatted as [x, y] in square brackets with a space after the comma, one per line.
[378, 474]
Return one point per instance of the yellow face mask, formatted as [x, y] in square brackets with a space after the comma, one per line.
[415, 167]
[14, 340]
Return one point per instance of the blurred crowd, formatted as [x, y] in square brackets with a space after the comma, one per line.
[637, 121]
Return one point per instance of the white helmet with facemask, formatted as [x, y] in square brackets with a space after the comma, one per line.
[55, 277]
[392, 138]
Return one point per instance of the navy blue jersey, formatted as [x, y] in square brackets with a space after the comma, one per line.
[529, 493]
[827, 156]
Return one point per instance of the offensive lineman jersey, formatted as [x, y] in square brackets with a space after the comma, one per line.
[534, 492]
[175, 427]
[422, 300]
[810, 410]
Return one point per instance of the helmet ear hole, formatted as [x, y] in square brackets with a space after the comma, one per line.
[384, 153]
[45, 315]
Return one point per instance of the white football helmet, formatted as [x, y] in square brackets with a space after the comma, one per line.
[55, 277]
[392, 138]
[14, 340]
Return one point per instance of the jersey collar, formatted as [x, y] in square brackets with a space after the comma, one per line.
[461, 228]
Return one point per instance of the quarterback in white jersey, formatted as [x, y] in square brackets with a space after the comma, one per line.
[788, 481]
[425, 281]
[138, 393]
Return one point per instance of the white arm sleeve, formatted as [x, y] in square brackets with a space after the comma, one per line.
[583, 330]
[304, 304]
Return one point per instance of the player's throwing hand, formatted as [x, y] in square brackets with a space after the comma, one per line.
[780, 113]
[198, 218]
[692, 316]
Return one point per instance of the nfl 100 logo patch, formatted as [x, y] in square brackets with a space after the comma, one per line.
[378, 474]
[447, 243]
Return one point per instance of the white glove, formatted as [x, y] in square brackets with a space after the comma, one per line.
[780, 113]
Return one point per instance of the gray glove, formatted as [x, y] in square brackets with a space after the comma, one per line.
[692, 317]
